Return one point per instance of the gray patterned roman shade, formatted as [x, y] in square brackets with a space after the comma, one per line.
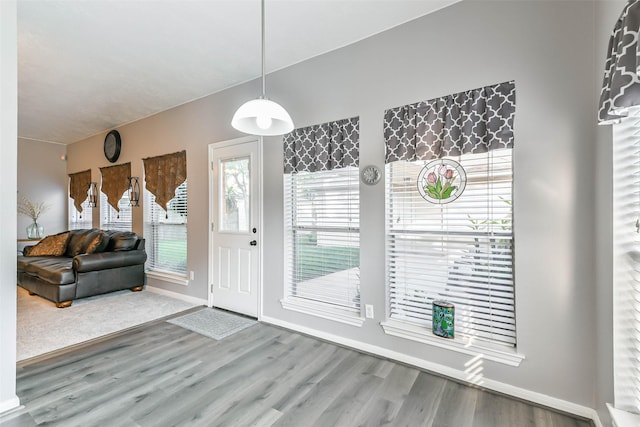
[322, 147]
[474, 121]
[621, 84]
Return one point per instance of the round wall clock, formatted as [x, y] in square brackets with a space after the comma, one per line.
[112, 145]
[370, 175]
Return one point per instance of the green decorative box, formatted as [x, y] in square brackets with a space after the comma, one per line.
[443, 319]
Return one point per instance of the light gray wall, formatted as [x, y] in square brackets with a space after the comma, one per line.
[607, 12]
[8, 138]
[42, 177]
[547, 48]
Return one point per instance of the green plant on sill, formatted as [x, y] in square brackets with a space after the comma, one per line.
[504, 223]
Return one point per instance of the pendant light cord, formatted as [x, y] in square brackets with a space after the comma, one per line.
[263, 70]
[262, 116]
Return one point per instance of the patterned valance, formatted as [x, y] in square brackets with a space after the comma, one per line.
[474, 121]
[621, 85]
[164, 174]
[79, 187]
[328, 146]
[115, 181]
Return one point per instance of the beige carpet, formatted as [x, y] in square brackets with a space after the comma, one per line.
[42, 327]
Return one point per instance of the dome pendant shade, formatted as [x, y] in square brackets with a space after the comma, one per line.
[262, 117]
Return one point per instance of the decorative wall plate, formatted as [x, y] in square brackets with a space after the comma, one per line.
[442, 181]
[370, 175]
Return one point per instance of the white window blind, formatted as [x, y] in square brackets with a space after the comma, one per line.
[626, 277]
[323, 237]
[110, 219]
[460, 252]
[166, 233]
[80, 220]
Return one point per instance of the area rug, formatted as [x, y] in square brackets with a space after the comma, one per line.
[42, 327]
[213, 323]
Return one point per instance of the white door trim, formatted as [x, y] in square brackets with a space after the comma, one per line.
[212, 216]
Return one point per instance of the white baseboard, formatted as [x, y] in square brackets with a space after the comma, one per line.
[9, 405]
[176, 295]
[520, 393]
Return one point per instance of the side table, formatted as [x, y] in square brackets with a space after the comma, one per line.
[26, 242]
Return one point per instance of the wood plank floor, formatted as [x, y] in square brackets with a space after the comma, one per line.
[162, 375]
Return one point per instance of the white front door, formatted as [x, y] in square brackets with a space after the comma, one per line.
[235, 218]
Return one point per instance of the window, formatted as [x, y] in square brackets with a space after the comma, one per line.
[110, 219]
[80, 220]
[460, 252]
[626, 274]
[323, 238]
[166, 234]
[322, 221]
[80, 214]
[235, 212]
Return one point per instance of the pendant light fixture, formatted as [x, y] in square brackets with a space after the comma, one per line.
[262, 116]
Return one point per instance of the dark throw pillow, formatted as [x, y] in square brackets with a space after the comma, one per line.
[122, 241]
[96, 242]
[50, 246]
[76, 242]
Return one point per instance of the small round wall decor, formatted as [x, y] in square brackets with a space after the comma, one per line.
[370, 175]
[441, 181]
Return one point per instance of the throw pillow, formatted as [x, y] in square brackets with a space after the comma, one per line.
[96, 243]
[122, 241]
[76, 241]
[50, 246]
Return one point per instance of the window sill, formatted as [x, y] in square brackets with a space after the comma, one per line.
[350, 316]
[168, 277]
[623, 418]
[466, 346]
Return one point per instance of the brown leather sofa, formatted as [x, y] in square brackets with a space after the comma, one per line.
[82, 264]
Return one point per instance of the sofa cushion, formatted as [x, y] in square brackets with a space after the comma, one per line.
[76, 242]
[24, 261]
[94, 242]
[50, 246]
[55, 270]
[122, 241]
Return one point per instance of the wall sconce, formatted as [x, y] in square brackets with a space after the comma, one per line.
[93, 194]
[134, 191]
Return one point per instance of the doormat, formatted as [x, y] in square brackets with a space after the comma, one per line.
[213, 323]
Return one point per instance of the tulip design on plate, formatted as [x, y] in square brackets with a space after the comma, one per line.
[441, 182]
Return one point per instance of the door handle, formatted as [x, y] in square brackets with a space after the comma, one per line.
[253, 243]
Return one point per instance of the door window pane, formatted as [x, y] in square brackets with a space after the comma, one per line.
[234, 194]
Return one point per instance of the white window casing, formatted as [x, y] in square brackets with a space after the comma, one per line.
[110, 219]
[626, 264]
[322, 244]
[166, 237]
[460, 252]
[80, 220]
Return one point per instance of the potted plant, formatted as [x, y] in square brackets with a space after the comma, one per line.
[33, 210]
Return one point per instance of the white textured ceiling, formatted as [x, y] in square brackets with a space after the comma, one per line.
[88, 66]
